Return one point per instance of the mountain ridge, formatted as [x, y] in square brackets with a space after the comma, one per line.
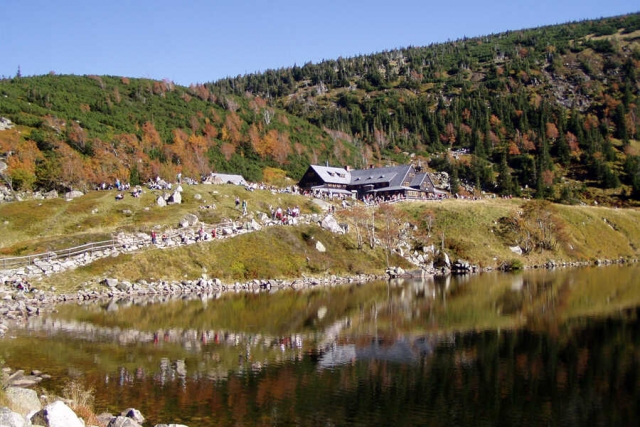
[550, 112]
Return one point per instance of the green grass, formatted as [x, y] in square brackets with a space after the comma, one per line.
[39, 225]
[273, 253]
[470, 230]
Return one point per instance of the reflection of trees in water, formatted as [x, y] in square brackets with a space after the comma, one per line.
[387, 360]
[589, 375]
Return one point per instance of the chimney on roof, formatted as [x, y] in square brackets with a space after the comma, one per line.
[347, 168]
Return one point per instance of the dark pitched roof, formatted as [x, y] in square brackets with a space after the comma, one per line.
[394, 175]
[332, 175]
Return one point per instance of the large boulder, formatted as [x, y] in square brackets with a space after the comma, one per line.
[53, 194]
[175, 198]
[73, 194]
[461, 266]
[189, 220]
[329, 223]
[134, 414]
[161, 202]
[516, 249]
[23, 400]
[57, 414]
[254, 225]
[442, 260]
[110, 282]
[8, 418]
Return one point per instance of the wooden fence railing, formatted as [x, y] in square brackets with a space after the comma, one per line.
[21, 261]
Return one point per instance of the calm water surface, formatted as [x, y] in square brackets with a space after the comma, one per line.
[537, 348]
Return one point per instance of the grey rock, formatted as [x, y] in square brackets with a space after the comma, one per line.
[53, 194]
[123, 286]
[23, 399]
[134, 414]
[8, 418]
[73, 194]
[175, 198]
[329, 223]
[57, 414]
[442, 260]
[190, 219]
[123, 422]
[110, 282]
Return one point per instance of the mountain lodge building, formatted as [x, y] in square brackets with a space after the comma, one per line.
[386, 182]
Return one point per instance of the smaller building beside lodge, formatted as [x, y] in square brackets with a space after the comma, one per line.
[386, 182]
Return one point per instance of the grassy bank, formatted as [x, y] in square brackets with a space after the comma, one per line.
[476, 230]
[479, 231]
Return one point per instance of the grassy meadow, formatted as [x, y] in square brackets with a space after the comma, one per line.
[473, 230]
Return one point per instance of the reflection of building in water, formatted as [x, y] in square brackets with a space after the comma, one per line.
[403, 350]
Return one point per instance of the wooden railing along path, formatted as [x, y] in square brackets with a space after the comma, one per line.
[21, 261]
[26, 260]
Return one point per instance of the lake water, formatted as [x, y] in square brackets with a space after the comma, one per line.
[535, 348]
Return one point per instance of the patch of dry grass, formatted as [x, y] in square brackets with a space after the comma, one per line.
[81, 401]
[35, 226]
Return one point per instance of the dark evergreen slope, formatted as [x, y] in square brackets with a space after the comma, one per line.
[552, 110]
[532, 106]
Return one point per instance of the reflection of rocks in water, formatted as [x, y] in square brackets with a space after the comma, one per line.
[402, 350]
[442, 285]
[424, 288]
[180, 367]
[517, 283]
[337, 355]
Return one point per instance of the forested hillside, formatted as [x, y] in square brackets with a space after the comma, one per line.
[531, 106]
[78, 131]
[550, 111]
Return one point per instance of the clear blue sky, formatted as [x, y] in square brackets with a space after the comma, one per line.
[198, 41]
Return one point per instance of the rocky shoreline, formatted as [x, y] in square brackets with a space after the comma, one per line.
[20, 299]
[34, 410]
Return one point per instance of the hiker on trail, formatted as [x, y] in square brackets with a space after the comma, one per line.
[153, 237]
[244, 207]
[237, 202]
